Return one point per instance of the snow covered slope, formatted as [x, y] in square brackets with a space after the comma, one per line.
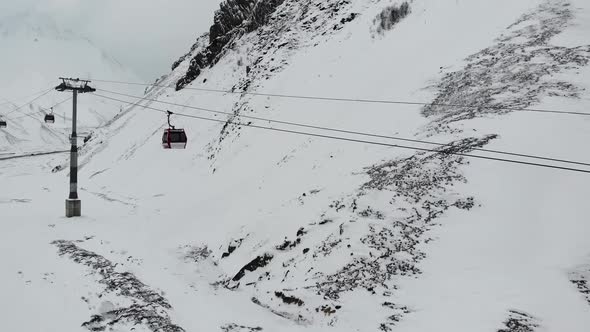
[257, 230]
[36, 51]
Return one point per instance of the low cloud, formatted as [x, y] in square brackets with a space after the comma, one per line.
[145, 36]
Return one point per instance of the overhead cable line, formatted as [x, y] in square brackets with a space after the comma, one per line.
[22, 97]
[352, 139]
[301, 125]
[61, 102]
[355, 100]
[30, 102]
[35, 154]
[53, 106]
[18, 109]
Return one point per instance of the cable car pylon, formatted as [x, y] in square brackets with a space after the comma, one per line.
[76, 85]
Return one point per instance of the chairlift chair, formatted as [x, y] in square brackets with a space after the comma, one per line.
[173, 138]
[2, 124]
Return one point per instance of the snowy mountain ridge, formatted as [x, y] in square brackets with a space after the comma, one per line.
[253, 230]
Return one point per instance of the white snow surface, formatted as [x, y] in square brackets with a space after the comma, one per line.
[166, 218]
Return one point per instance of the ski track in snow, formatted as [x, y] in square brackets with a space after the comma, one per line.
[111, 199]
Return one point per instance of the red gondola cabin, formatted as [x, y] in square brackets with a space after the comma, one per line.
[174, 139]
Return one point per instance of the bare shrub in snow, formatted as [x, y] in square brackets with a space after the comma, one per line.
[390, 16]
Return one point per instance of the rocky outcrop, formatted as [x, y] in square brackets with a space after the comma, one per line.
[581, 278]
[144, 306]
[506, 77]
[201, 43]
[390, 16]
[255, 264]
[519, 321]
[233, 19]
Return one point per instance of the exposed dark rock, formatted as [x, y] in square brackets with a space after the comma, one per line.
[292, 26]
[289, 299]
[581, 278]
[239, 328]
[326, 309]
[296, 318]
[410, 177]
[422, 181]
[583, 287]
[301, 231]
[233, 19]
[234, 244]
[256, 263]
[197, 254]
[287, 245]
[519, 322]
[465, 204]
[243, 14]
[327, 246]
[392, 320]
[387, 243]
[88, 137]
[350, 18]
[390, 16]
[337, 205]
[149, 308]
[134, 315]
[508, 75]
[370, 213]
[201, 43]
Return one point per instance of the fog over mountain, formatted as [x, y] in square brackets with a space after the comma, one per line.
[108, 24]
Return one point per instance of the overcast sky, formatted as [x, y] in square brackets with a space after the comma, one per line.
[144, 35]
